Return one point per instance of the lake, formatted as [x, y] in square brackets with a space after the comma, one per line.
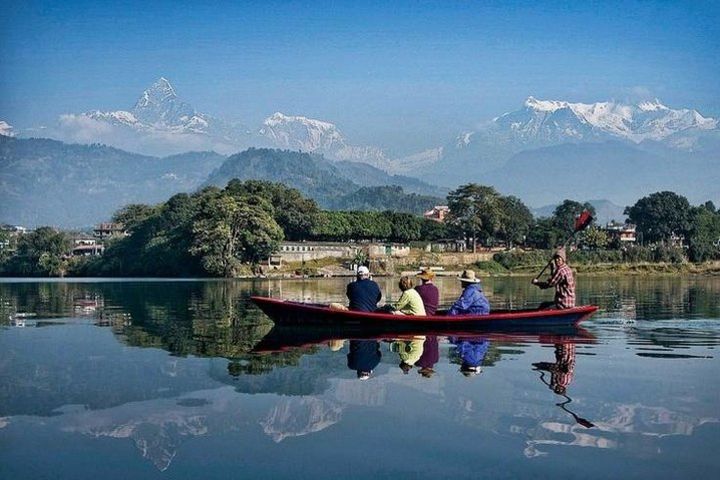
[164, 379]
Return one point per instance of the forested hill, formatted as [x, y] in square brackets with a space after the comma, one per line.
[385, 198]
[46, 182]
[339, 186]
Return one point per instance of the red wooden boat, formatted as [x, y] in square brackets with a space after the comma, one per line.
[285, 312]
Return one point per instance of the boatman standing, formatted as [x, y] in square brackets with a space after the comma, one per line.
[562, 279]
[364, 294]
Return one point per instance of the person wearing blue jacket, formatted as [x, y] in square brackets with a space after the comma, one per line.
[472, 300]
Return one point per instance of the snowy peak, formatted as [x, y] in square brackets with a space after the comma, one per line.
[558, 119]
[295, 132]
[160, 92]
[302, 133]
[159, 104]
[6, 130]
[652, 106]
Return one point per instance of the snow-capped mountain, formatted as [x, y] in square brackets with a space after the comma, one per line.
[6, 129]
[545, 123]
[310, 135]
[553, 121]
[159, 123]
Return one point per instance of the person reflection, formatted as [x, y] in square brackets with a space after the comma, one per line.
[562, 371]
[409, 351]
[363, 357]
[561, 375]
[429, 357]
[470, 352]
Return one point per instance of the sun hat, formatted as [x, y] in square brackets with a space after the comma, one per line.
[468, 276]
[426, 274]
[363, 270]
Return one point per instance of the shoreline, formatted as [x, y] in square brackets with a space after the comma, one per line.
[483, 269]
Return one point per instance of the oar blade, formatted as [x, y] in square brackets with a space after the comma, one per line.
[583, 220]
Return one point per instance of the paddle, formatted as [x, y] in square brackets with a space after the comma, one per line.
[578, 419]
[581, 223]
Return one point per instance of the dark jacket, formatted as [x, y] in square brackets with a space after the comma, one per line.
[364, 355]
[431, 352]
[430, 297]
[364, 295]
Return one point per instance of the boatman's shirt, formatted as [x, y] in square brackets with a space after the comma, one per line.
[364, 295]
[564, 282]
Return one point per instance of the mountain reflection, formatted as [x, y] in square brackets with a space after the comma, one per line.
[160, 363]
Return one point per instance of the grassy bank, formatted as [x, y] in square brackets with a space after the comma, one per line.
[640, 268]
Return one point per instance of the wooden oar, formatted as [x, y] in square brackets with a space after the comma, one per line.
[581, 223]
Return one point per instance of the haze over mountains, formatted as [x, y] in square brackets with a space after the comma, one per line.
[543, 152]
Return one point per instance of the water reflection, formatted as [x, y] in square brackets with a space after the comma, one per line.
[162, 364]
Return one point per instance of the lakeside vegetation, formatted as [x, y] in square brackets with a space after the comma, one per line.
[228, 232]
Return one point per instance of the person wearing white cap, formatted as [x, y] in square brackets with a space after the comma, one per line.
[472, 300]
[363, 294]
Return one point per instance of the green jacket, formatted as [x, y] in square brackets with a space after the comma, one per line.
[410, 303]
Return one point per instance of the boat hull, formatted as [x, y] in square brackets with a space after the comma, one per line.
[285, 312]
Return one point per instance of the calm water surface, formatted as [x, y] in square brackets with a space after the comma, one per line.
[187, 379]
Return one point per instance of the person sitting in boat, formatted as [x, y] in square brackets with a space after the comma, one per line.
[364, 294]
[410, 302]
[428, 291]
[562, 279]
[472, 301]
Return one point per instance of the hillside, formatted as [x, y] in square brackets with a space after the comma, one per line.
[46, 182]
[338, 186]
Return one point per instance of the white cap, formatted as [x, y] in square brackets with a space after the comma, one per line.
[363, 270]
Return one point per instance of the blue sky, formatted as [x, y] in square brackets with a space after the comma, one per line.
[402, 75]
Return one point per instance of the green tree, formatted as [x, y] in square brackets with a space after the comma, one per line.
[704, 234]
[595, 238]
[228, 232]
[295, 214]
[132, 215]
[517, 220]
[476, 210]
[660, 215]
[545, 234]
[44, 252]
[565, 214]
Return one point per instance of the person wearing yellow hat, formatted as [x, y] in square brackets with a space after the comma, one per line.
[472, 300]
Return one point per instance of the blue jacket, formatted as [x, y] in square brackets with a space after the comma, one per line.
[471, 352]
[364, 295]
[472, 301]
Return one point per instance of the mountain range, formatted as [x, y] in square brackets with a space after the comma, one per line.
[543, 152]
[47, 182]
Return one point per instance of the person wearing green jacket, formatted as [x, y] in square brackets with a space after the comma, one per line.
[410, 302]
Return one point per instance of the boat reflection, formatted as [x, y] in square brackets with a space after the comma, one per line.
[286, 337]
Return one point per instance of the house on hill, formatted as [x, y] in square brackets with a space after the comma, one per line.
[437, 213]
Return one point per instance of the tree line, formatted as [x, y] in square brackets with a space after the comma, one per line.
[226, 232]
